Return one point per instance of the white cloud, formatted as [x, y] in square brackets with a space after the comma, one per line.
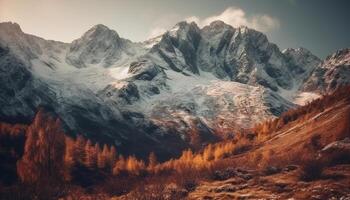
[233, 16]
[264, 23]
[237, 17]
[156, 32]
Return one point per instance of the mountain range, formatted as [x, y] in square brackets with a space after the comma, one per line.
[185, 88]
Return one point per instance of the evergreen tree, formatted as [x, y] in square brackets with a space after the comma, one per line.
[91, 155]
[44, 151]
[79, 150]
[152, 160]
[119, 166]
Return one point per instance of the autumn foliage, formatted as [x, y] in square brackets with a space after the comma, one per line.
[266, 128]
[48, 152]
[42, 151]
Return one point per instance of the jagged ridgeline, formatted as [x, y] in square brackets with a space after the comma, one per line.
[185, 88]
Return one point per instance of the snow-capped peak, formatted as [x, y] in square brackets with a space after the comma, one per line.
[100, 46]
[216, 28]
[184, 29]
[25, 46]
[219, 25]
[100, 27]
[100, 32]
[184, 25]
[217, 72]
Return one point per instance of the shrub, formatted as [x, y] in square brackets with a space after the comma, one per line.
[188, 179]
[312, 169]
[315, 141]
[119, 185]
[224, 174]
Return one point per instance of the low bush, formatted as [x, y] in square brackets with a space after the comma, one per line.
[312, 169]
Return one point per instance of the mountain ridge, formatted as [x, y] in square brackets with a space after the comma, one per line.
[190, 79]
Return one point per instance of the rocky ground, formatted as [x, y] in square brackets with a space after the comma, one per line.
[284, 184]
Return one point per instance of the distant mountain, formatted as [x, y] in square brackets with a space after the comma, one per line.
[184, 88]
[332, 73]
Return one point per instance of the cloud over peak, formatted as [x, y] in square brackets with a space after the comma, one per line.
[237, 17]
[233, 16]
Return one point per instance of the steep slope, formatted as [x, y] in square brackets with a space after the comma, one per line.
[248, 57]
[332, 73]
[225, 107]
[187, 82]
[302, 156]
[21, 94]
[272, 168]
[178, 47]
[236, 54]
[35, 74]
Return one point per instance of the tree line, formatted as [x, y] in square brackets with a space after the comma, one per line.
[42, 152]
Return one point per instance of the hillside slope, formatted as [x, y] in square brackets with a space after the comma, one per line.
[275, 164]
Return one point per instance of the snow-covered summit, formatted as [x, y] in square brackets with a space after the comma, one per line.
[25, 46]
[189, 77]
[100, 45]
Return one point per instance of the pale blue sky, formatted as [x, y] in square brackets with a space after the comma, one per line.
[321, 26]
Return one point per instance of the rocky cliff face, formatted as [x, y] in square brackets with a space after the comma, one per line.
[20, 92]
[331, 73]
[236, 54]
[188, 83]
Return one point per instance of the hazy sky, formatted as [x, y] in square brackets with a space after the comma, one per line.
[321, 26]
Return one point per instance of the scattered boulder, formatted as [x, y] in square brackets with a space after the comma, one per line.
[337, 146]
[228, 188]
[245, 176]
[289, 168]
[126, 92]
[231, 172]
[225, 188]
[225, 174]
[270, 170]
[337, 152]
[174, 192]
[281, 185]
